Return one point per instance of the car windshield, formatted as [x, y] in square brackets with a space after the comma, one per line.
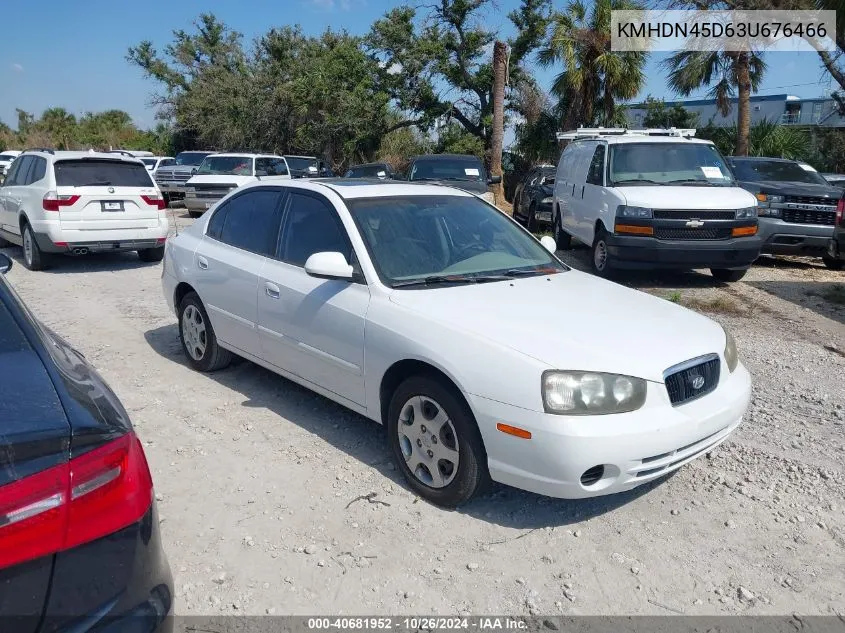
[190, 158]
[416, 241]
[367, 171]
[89, 172]
[7, 157]
[682, 163]
[301, 163]
[150, 162]
[447, 169]
[776, 170]
[226, 165]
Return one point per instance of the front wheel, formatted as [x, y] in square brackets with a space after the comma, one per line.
[833, 264]
[151, 254]
[601, 259]
[728, 274]
[562, 238]
[197, 336]
[435, 442]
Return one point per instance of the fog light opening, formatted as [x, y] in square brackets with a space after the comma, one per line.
[592, 475]
[600, 477]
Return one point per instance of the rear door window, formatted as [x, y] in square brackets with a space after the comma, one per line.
[39, 169]
[251, 221]
[92, 173]
[17, 176]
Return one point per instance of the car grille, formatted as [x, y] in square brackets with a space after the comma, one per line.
[213, 190]
[681, 384]
[665, 233]
[172, 176]
[694, 214]
[656, 464]
[796, 216]
[826, 202]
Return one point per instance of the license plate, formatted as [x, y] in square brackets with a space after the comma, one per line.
[112, 205]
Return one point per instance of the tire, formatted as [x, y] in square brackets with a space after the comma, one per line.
[833, 264]
[195, 214]
[450, 487]
[600, 259]
[562, 238]
[166, 198]
[33, 257]
[728, 274]
[531, 222]
[201, 347]
[151, 254]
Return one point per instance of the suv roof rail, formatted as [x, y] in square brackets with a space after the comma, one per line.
[595, 132]
[39, 149]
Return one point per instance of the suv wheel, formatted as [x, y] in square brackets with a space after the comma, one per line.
[562, 238]
[151, 254]
[33, 257]
[833, 264]
[600, 259]
[197, 336]
[728, 274]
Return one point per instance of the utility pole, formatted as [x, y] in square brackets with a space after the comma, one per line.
[500, 67]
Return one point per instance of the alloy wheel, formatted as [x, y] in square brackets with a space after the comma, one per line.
[193, 332]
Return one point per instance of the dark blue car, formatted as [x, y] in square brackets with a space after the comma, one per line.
[80, 548]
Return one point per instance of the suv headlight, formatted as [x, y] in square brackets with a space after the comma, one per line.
[548, 200]
[764, 199]
[624, 211]
[749, 213]
[591, 393]
[731, 357]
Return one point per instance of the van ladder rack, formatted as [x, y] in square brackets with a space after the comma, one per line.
[596, 132]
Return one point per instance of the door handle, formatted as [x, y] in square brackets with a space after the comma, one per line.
[202, 262]
[272, 290]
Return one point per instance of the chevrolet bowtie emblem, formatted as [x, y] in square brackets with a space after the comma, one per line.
[694, 224]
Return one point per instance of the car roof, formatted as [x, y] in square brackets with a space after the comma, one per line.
[464, 157]
[352, 188]
[243, 155]
[71, 155]
[299, 156]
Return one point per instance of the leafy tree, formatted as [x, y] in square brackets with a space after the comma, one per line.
[659, 115]
[766, 138]
[592, 78]
[60, 125]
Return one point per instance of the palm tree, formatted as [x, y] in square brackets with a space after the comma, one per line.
[728, 73]
[592, 76]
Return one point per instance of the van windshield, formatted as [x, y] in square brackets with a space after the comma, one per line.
[682, 163]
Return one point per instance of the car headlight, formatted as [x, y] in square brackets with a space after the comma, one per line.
[548, 200]
[624, 211]
[764, 199]
[749, 213]
[764, 212]
[591, 393]
[731, 357]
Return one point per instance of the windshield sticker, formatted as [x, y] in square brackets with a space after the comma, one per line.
[805, 167]
[472, 171]
[712, 172]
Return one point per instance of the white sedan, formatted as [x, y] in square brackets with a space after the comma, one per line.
[417, 306]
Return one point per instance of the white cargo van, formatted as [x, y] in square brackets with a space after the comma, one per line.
[653, 199]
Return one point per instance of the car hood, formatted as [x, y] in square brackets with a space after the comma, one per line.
[808, 189]
[669, 197]
[573, 320]
[220, 179]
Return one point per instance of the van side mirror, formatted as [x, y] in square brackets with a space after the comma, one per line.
[5, 264]
[328, 265]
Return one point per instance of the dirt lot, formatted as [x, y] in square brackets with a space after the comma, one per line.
[255, 475]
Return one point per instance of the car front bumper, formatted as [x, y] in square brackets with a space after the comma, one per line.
[633, 448]
[649, 252]
[173, 188]
[786, 238]
[199, 203]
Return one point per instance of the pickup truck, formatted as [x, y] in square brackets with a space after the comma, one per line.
[172, 178]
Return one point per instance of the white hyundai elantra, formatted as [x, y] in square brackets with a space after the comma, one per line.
[426, 309]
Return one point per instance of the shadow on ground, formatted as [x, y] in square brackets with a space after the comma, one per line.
[92, 263]
[826, 298]
[364, 440]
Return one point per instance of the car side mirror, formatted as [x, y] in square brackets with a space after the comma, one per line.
[549, 243]
[494, 180]
[328, 265]
[5, 264]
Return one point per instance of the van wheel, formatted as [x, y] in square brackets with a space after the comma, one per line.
[833, 264]
[562, 238]
[601, 260]
[728, 274]
[33, 257]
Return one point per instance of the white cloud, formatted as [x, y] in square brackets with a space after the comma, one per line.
[332, 5]
[17, 68]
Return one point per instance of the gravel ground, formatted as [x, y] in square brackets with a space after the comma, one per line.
[275, 500]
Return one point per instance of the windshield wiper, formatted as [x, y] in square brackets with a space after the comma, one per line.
[683, 182]
[434, 280]
[521, 272]
[633, 180]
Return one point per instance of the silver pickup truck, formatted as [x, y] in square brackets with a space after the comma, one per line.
[171, 179]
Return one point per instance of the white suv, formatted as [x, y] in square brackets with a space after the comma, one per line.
[79, 202]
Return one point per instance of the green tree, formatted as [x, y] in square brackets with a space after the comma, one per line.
[61, 126]
[659, 115]
[592, 77]
[766, 138]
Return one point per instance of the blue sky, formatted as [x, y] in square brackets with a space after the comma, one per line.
[72, 54]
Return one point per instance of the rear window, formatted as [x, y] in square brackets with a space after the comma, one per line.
[92, 173]
[448, 169]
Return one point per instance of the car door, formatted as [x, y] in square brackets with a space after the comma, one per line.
[523, 199]
[312, 327]
[14, 192]
[273, 168]
[594, 198]
[578, 210]
[228, 264]
[8, 208]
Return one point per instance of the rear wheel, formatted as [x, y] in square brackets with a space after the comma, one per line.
[195, 214]
[435, 442]
[197, 335]
[151, 254]
[33, 257]
[728, 274]
[562, 238]
[601, 259]
[833, 264]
